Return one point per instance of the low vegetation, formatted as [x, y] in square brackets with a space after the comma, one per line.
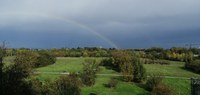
[112, 83]
[194, 66]
[156, 86]
[129, 65]
[88, 74]
[115, 72]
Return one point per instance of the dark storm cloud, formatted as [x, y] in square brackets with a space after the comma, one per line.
[127, 23]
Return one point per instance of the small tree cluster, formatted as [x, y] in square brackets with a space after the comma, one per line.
[150, 61]
[129, 65]
[155, 85]
[153, 81]
[89, 70]
[139, 70]
[65, 85]
[13, 78]
[2, 54]
[193, 65]
[123, 63]
[112, 83]
[34, 59]
[44, 59]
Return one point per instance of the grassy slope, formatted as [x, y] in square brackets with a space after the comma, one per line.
[174, 69]
[121, 89]
[65, 65]
[180, 86]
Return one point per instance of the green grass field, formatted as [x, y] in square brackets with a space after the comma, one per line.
[66, 65]
[121, 89]
[175, 69]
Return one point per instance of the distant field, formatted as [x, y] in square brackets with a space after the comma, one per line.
[70, 64]
[175, 69]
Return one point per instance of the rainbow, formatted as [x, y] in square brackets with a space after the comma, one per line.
[63, 19]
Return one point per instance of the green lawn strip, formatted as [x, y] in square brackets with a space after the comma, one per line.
[104, 70]
[175, 69]
[179, 86]
[66, 64]
[122, 88]
[44, 77]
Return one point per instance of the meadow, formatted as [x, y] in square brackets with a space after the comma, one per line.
[178, 82]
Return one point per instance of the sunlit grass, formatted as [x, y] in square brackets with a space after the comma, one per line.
[63, 64]
[122, 88]
[175, 69]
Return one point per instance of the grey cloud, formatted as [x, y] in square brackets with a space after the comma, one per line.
[126, 20]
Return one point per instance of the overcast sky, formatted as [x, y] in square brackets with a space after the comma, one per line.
[106, 23]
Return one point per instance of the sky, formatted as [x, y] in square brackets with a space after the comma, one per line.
[99, 23]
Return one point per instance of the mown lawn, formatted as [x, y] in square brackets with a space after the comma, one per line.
[179, 86]
[122, 88]
[64, 64]
[175, 69]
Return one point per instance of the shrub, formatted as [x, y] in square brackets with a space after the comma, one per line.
[34, 59]
[112, 83]
[68, 85]
[194, 66]
[44, 59]
[150, 61]
[107, 63]
[162, 89]
[89, 71]
[27, 58]
[15, 80]
[153, 81]
[139, 70]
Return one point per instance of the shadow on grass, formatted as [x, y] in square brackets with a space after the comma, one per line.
[189, 70]
[143, 86]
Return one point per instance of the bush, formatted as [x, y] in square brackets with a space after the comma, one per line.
[68, 85]
[65, 85]
[107, 63]
[150, 61]
[89, 70]
[194, 66]
[162, 89]
[44, 59]
[27, 58]
[34, 59]
[15, 80]
[153, 81]
[112, 83]
[139, 70]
